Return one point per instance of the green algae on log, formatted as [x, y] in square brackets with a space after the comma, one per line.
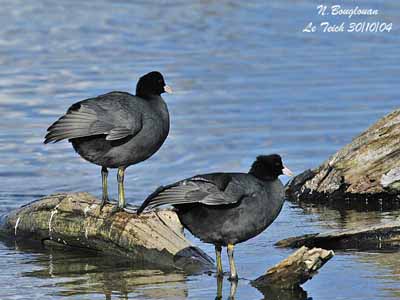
[366, 169]
[154, 238]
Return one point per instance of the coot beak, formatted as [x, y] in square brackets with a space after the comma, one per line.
[167, 89]
[286, 171]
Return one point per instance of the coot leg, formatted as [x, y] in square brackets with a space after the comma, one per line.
[234, 275]
[233, 289]
[104, 199]
[220, 281]
[121, 191]
[218, 249]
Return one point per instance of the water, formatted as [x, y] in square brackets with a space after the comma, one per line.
[247, 81]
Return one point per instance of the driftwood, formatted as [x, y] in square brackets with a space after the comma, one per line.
[295, 270]
[154, 238]
[76, 220]
[379, 237]
[367, 169]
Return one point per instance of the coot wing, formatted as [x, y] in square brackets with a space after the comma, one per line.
[102, 115]
[209, 189]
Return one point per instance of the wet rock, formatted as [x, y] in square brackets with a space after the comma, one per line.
[366, 169]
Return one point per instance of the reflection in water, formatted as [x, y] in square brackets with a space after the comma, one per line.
[349, 217]
[232, 290]
[74, 274]
[270, 293]
[81, 273]
[85, 273]
[390, 262]
[337, 217]
[281, 294]
[220, 282]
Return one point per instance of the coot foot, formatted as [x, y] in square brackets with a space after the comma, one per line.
[116, 209]
[104, 201]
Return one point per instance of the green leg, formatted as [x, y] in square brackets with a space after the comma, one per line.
[218, 249]
[104, 199]
[220, 280]
[234, 275]
[121, 191]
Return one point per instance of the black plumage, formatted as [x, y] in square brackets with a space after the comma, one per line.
[117, 129]
[227, 208]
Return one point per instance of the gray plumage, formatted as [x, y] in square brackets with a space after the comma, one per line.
[226, 208]
[223, 215]
[117, 129]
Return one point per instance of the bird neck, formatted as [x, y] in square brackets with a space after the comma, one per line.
[158, 106]
[156, 101]
[147, 96]
[262, 175]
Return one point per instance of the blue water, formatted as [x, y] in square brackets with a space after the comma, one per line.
[247, 81]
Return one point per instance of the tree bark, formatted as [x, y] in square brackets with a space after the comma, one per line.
[367, 169]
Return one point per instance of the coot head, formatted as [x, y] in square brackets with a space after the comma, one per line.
[152, 84]
[269, 167]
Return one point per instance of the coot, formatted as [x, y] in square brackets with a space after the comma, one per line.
[117, 129]
[227, 208]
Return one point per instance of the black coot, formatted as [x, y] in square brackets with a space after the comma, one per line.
[227, 208]
[117, 129]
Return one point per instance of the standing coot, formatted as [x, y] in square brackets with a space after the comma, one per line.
[117, 129]
[227, 208]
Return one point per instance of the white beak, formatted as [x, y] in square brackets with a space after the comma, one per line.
[167, 89]
[286, 171]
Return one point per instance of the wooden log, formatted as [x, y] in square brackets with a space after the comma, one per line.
[76, 220]
[367, 169]
[294, 270]
[379, 237]
[154, 238]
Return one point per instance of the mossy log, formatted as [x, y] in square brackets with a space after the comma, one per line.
[378, 237]
[155, 238]
[294, 270]
[76, 220]
[366, 169]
